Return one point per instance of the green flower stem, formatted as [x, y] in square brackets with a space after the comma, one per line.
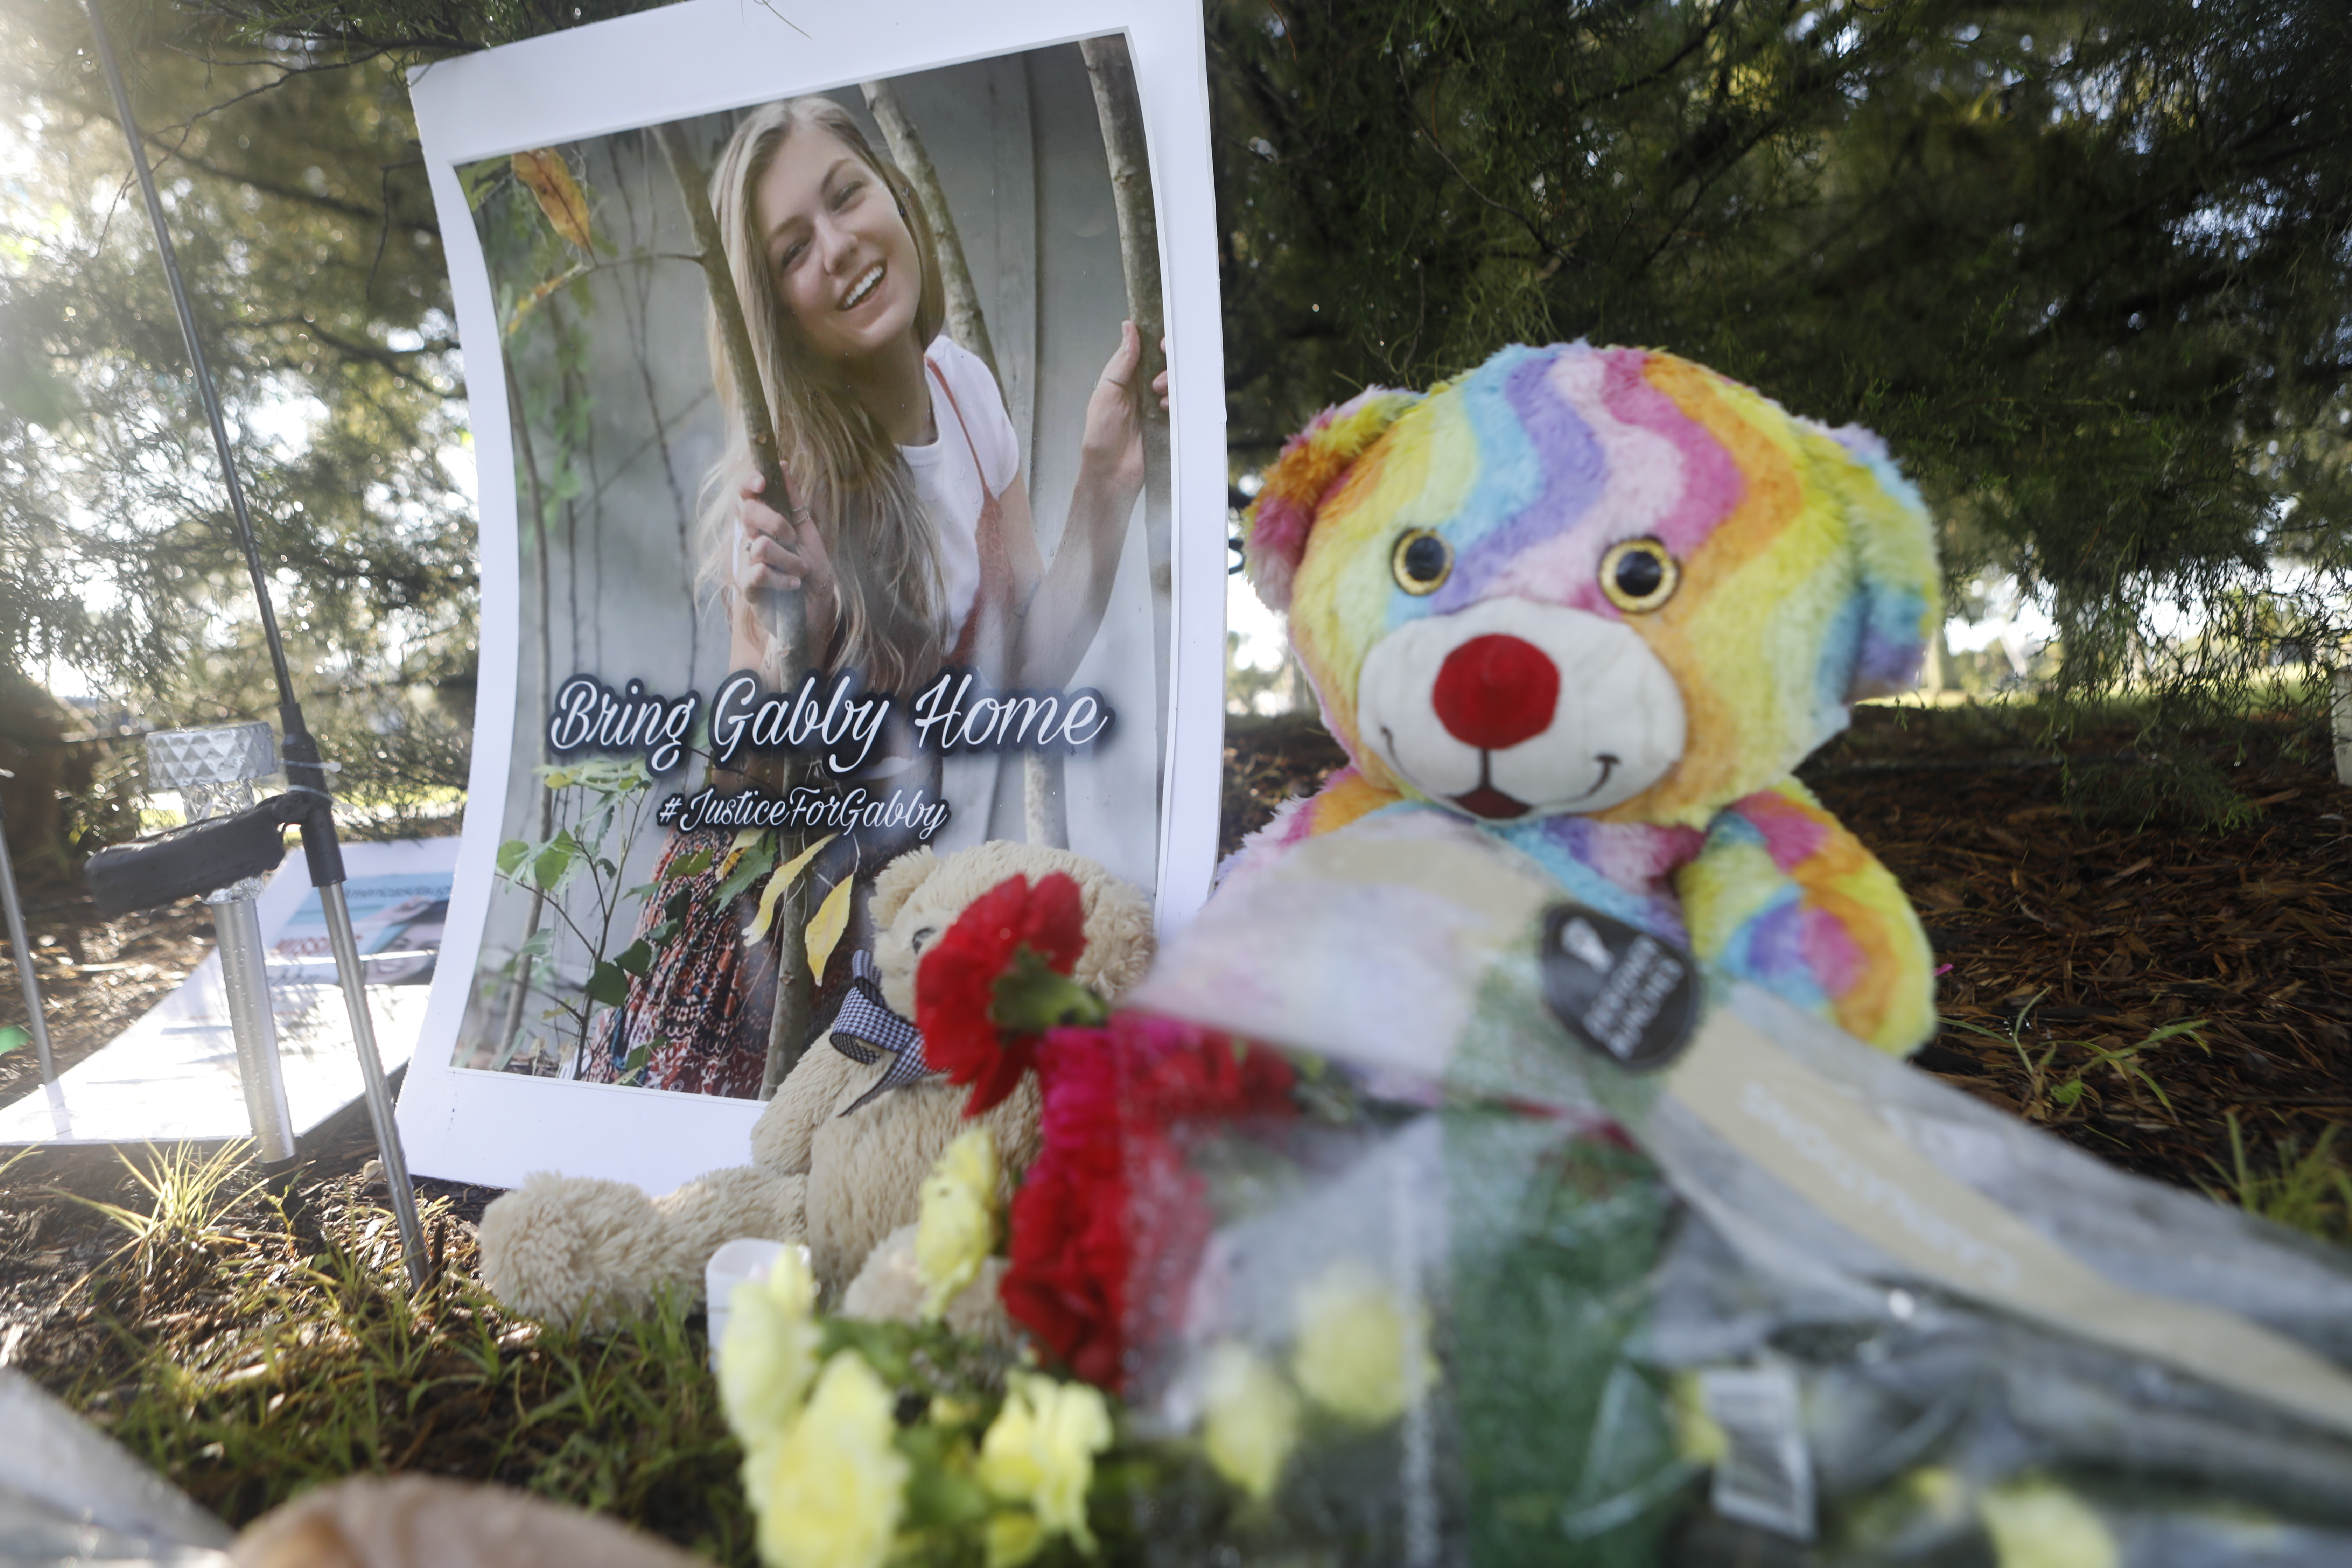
[1030, 998]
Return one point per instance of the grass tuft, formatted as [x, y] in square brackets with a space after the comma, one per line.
[2178, 784]
[252, 1353]
[168, 1243]
[2310, 1190]
[2052, 1092]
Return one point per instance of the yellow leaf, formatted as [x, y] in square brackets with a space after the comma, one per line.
[825, 931]
[531, 300]
[778, 882]
[736, 849]
[560, 197]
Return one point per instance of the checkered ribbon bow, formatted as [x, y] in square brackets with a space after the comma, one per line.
[866, 1030]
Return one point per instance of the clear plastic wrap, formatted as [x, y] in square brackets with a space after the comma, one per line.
[1484, 1295]
[70, 1495]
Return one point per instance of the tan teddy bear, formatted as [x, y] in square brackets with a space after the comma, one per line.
[593, 1252]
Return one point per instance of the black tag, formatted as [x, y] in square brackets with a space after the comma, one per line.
[1626, 995]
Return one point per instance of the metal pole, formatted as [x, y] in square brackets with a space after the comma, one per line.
[204, 376]
[215, 771]
[349, 971]
[253, 1026]
[303, 771]
[25, 976]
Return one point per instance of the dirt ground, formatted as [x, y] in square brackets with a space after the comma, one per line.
[2069, 940]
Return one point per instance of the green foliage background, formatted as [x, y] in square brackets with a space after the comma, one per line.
[304, 230]
[2088, 267]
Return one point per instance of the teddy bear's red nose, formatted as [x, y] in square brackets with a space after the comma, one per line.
[1497, 691]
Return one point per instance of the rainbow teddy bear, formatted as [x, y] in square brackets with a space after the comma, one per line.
[1602, 601]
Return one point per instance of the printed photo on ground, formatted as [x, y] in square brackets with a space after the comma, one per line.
[843, 526]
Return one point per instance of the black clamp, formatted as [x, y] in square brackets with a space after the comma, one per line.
[205, 856]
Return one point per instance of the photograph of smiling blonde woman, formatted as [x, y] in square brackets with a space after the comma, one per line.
[969, 517]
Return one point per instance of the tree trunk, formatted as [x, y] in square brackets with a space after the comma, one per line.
[1938, 677]
[1121, 113]
[1044, 818]
[1045, 811]
[511, 1025]
[966, 325]
[788, 1028]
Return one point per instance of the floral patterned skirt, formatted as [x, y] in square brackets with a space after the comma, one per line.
[697, 1020]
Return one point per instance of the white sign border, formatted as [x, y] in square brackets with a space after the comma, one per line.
[496, 1129]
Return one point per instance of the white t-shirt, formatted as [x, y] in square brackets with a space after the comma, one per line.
[943, 470]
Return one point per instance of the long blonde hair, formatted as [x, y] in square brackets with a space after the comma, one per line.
[883, 541]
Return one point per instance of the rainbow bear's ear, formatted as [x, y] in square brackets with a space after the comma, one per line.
[1312, 464]
[1901, 596]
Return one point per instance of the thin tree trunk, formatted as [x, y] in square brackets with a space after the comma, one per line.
[512, 1024]
[1938, 677]
[1121, 113]
[1044, 816]
[966, 325]
[788, 1026]
[1045, 810]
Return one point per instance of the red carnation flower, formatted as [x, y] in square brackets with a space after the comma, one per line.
[1107, 1236]
[1110, 1223]
[1187, 1073]
[1069, 1258]
[978, 1004]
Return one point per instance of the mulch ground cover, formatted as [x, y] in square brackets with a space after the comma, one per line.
[2070, 934]
[2073, 942]
[2073, 936]
[97, 976]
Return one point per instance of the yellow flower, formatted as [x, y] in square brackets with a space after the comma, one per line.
[1698, 1437]
[958, 1227]
[1252, 1418]
[832, 1489]
[1041, 1450]
[1937, 1492]
[2041, 1524]
[1358, 1356]
[768, 1357]
[1014, 1538]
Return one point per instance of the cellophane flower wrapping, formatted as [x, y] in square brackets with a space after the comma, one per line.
[1389, 1268]
[1350, 1322]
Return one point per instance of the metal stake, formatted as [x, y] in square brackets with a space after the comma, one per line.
[252, 1028]
[25, 976]
[215, 771]
[349, 971]
[304, 772]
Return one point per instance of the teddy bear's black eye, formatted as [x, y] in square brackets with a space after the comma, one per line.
[1422, 563]
[921, 937]
[1637, 574]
